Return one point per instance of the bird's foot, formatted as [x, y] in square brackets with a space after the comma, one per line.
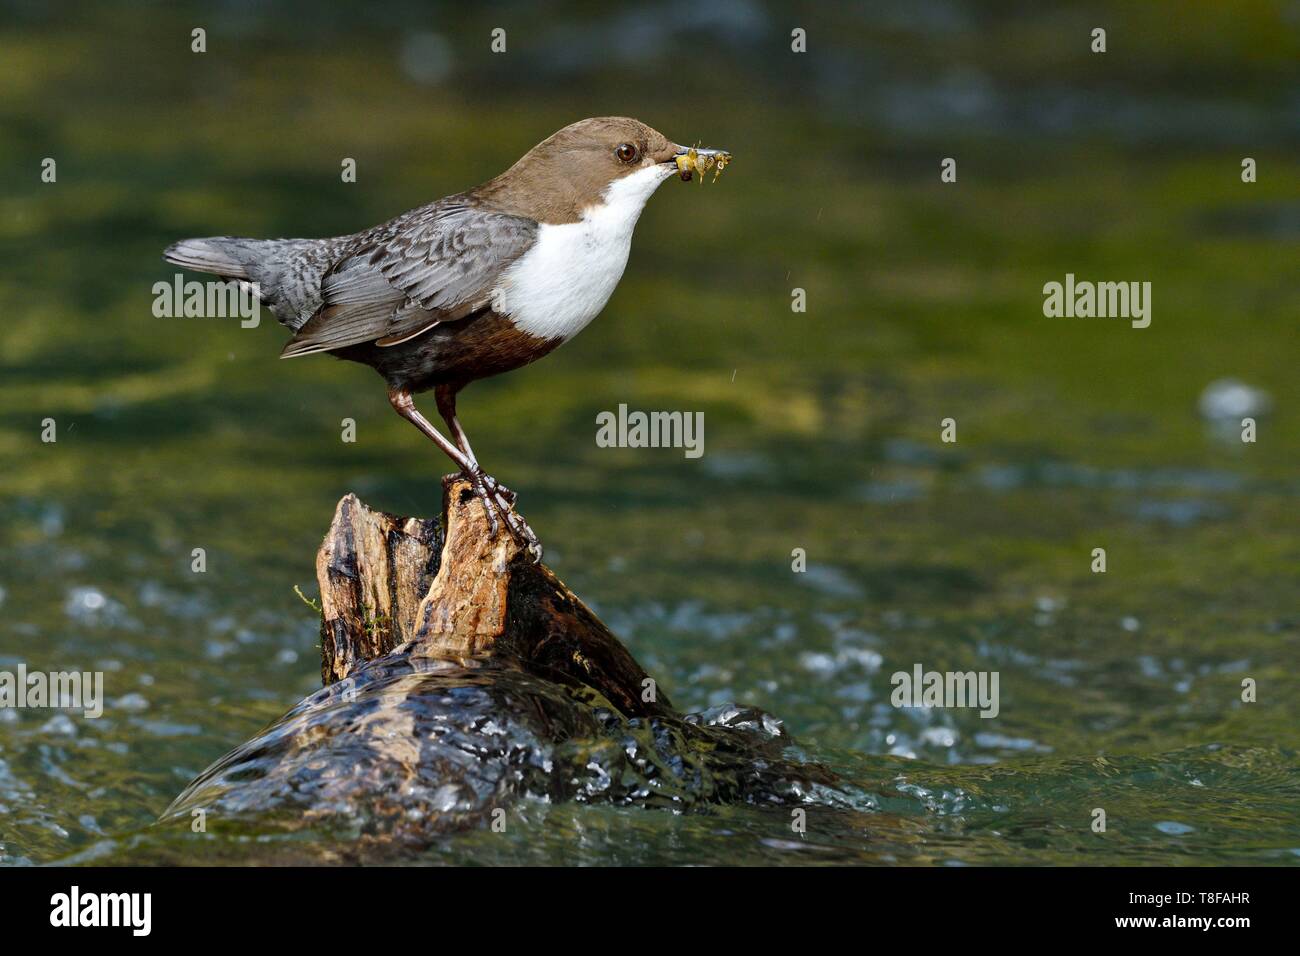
[499, 504]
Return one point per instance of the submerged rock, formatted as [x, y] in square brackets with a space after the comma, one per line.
[410, 747]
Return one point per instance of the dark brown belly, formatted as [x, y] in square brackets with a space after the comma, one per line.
[455, 353]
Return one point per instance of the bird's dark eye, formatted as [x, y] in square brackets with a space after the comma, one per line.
[626, 153]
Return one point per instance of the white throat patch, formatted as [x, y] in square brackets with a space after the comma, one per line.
[565, 279]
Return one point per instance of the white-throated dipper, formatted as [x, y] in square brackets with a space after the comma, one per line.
[472, 285]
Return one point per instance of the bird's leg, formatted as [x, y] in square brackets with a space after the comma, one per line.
[404, 404]
[445, 396]
[493, 493]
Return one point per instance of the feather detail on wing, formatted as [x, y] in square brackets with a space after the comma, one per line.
[436, 264]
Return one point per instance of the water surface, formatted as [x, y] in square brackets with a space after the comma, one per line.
[1120, 691]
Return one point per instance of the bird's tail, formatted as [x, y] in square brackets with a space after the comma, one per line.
[287, 271]
[224, 256]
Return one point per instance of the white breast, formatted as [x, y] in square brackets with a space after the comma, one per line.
[565, 279]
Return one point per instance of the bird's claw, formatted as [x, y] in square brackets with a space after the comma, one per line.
[479, 482]
[499, 503]
[524, 534]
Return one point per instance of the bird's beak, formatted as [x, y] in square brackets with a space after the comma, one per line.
[695, 159]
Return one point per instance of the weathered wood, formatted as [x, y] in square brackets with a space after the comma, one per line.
[470, 593]
[373, 570]
[464, 612]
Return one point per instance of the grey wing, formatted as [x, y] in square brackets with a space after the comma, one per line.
[436, 265]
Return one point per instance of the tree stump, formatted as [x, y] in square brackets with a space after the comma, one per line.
[460, 678]
[466, 594]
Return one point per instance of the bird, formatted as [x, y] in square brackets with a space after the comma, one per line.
[471, 285]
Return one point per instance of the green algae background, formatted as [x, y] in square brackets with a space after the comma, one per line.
[1119, 690]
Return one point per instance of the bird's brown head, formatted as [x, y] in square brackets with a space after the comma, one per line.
[573, 169]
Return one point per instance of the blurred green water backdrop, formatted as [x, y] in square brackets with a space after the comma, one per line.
[822, 429]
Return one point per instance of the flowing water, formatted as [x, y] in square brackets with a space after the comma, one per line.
[1120, 690]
